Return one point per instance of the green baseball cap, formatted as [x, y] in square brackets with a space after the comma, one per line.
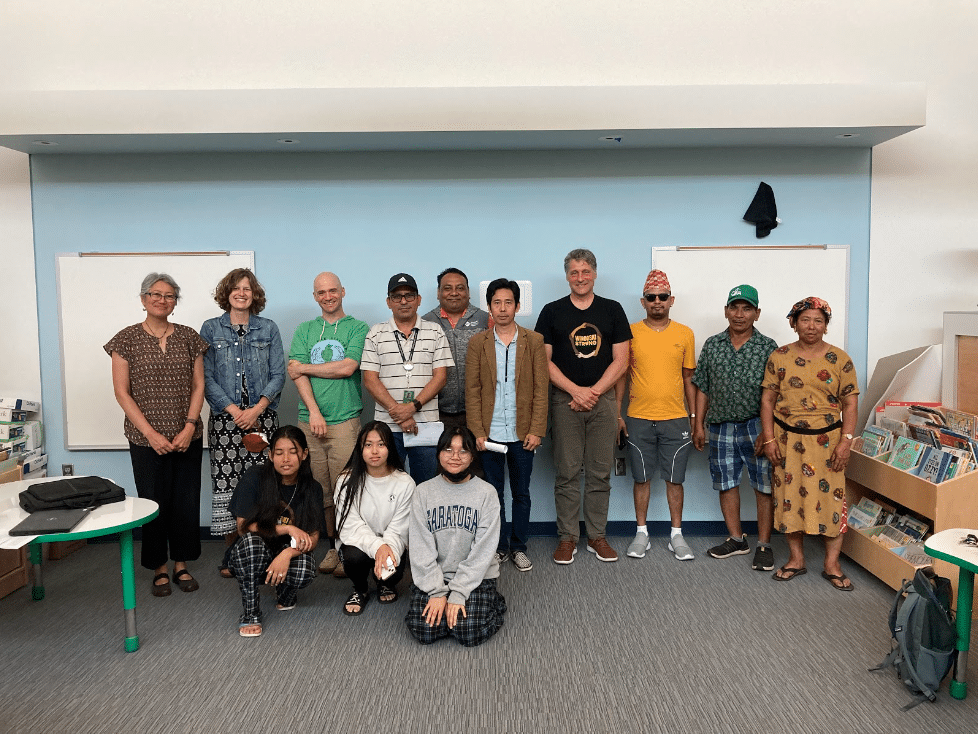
[744, 293]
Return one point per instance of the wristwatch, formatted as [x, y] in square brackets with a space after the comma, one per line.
[848, 436]
[417, 404]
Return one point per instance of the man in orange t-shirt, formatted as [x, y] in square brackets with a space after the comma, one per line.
[659, 419]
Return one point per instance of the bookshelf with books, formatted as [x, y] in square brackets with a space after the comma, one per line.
[948, 505]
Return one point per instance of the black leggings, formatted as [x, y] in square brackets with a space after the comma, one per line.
[358, 566]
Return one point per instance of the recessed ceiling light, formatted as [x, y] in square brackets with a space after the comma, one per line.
[849, 135]
[45, 143]
[287, 141]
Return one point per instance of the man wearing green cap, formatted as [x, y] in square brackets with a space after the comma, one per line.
[728, 379]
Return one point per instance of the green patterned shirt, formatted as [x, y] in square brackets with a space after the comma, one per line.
[732, 378]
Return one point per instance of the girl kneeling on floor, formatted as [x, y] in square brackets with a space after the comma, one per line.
[279, 508]
[373, 500]
[454, 529]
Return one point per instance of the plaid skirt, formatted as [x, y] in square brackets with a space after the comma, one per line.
[485, 609]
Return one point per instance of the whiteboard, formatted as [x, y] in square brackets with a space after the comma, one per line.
[98, 295]
[701, 277]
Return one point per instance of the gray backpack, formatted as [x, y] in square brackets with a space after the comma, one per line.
[922, 627]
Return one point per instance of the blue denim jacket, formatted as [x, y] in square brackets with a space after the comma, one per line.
[260, 350]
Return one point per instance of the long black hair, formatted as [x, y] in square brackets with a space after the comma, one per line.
[355, 472]
[270, 503]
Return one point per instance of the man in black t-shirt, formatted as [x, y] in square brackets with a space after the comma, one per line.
[586, 338]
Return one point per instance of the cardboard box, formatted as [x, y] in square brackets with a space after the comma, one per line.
[21, 404]
[10, 430]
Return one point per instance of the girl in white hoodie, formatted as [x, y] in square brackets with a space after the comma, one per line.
[373, 500]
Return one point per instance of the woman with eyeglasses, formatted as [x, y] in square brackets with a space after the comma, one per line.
[244, 372]
[453, 531]
[809, 414]
[158, 380]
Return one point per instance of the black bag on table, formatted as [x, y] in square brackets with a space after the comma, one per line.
[82, 492]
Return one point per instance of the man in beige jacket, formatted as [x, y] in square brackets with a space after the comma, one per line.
[507, 405]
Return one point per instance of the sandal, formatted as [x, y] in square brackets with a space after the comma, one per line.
[356, 599]
[185, 581]
[789, 572]
[387, 595]
[838, 581]
[242, 627]
[162, 590]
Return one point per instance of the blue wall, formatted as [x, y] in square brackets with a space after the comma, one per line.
[367, 216]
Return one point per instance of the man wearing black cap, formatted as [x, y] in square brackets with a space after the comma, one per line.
[728, 379]
[404, 366]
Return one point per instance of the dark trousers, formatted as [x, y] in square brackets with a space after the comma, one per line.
[519, 464]
[485, 609]
[422, 461]
[359, 567]
[174, 482]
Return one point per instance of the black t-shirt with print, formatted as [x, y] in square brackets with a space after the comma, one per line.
[582, 339]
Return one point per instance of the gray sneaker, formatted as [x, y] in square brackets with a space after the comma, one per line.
[638, 548]
[521, 561]
[679, 547]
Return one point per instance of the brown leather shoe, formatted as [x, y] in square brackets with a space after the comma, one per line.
[565, 554]
[602, 550]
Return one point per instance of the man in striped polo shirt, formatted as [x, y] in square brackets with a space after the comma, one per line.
[404, 366]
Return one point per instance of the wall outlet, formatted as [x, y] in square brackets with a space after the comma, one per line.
[620, 466]
[68, 469]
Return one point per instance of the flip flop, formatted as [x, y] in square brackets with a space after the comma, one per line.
[840, 579]
[241, 630]
[356, 599]
[792, 573]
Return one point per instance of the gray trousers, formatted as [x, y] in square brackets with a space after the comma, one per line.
[583, 442]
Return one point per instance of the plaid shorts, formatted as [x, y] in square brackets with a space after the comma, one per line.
[731, 446]
[249, 562]
[485, 609]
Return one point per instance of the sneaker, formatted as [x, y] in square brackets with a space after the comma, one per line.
[521, 561]
[679, 547]
[565, 554]
[330, 562]
[500, 556]
[602, 550]
[763, 559]
[639, 547]
[730, 547]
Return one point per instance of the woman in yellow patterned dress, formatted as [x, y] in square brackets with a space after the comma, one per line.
[809, 412]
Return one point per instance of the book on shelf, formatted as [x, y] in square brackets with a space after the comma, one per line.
[933, 465]
[889, 536]
[928, 411]
[915, 554]
[960, 421]
[10, 430]
[858, 518]
[915, 528]
[907, 453]
[12, 415]
[897, 428]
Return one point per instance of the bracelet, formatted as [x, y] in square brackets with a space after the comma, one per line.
[768, 441]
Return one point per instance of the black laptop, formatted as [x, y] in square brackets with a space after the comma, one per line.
[54, 521]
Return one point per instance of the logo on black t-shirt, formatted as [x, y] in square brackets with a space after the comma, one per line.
[586, 340]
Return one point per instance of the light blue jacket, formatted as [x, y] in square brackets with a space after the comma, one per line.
[260, 351]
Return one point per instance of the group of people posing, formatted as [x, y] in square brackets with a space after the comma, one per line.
[787, 414]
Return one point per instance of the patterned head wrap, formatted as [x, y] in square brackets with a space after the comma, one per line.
[656, 283]
[811, 302]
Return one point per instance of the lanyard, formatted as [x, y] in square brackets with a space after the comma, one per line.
[407, 362]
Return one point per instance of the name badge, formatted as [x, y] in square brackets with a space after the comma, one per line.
[408, 397]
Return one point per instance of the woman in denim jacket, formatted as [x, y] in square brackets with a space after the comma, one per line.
[244, 372]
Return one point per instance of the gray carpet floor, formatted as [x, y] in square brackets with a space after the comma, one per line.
[637, 646]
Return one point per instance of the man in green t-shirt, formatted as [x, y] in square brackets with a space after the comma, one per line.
[324, 363]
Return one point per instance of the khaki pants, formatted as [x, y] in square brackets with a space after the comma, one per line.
[328, 456]
[584, 442]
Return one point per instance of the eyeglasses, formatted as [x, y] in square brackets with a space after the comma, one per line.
[461, 454]
[404, 297]
[157, 296]
[654, 297]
